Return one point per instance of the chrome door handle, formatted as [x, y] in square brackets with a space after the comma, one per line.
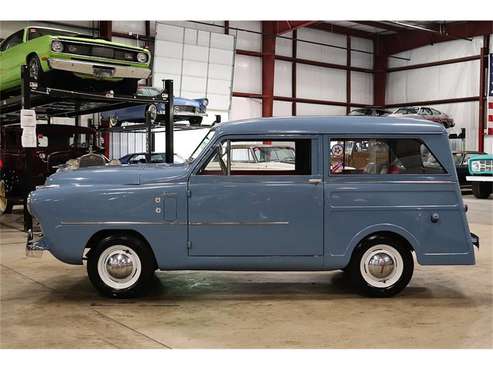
[315, 181]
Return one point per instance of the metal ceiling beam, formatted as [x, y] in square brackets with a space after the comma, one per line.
[381, 25]
[334, 28]
[430, 27]
[286, 26]
[412, 39]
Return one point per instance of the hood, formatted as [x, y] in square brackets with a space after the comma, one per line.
[96, 40]
[120, 175]
[188, 102]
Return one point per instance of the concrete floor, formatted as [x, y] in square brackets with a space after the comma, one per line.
[47, 304]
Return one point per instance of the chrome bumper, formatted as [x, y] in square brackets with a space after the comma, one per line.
[98, 70]
[35, 244]
[480, 178]
[475, 240]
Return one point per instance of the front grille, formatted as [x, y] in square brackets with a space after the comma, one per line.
[100, 51]
[184, 109]
[485, 165]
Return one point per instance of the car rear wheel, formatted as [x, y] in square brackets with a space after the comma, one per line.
[121, 266]
[481, 190]
[381, 267]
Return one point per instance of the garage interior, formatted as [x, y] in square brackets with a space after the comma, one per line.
[250, 69]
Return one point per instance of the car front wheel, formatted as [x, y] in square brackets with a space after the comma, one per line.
[121, 266]
[5, 204]
[35, 70]
[381, 267]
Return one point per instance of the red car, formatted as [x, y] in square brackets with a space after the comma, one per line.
[56, 145]
[427, 113]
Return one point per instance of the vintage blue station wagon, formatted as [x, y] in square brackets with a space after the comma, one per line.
[361, 194]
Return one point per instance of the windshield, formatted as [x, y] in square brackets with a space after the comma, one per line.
[359, 112]
[457, 158]
[205, 141]
[407, 111]
[35, 32]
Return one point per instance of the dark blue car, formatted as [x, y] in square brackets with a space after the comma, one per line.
[191, 110]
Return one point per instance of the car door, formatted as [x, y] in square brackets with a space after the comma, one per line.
[10, 62]
[248, 208]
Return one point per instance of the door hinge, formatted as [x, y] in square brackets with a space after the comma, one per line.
[189, 244]
[189, 193]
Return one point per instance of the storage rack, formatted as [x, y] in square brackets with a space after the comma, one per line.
[51, 102]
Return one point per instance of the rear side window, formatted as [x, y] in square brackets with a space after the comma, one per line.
[381, 157]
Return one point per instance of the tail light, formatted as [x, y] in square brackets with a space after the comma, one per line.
[1, 164]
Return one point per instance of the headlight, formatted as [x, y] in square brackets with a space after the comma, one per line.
[57, 46]
[475, 166]
[142, 57]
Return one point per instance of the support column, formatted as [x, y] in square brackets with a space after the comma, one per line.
[105, 30]
[293, 71]
[380, 65]
[226, 27]
[483, 65]
[348, 74]
[268, 63]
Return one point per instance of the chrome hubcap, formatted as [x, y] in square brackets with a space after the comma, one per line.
[381, 266]
[119, 267]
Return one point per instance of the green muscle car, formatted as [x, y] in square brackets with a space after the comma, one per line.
[65, 59]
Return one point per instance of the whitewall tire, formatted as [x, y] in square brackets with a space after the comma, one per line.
[381, 266]
[121, 266]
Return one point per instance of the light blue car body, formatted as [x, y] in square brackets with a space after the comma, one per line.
[278, 222]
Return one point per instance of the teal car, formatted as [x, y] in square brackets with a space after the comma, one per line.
[481, 175]
[76, 60]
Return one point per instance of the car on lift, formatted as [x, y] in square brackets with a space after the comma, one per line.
[191, 110]
[481, 175]
[369, 220]
[427, 113]
[66, 59]
[369, 111]
[56, 144]
[461, 158]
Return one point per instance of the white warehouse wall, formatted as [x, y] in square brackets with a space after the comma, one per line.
[313, 82]
[441, 82]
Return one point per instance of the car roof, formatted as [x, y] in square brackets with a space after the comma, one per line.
[330, 125]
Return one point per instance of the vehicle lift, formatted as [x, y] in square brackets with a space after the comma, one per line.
[51, 102]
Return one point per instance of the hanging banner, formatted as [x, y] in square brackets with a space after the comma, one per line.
[490, 96]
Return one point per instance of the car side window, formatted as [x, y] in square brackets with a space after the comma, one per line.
[139, 158]
[381, 157]
[426, 111]
[12, 41]
[264, 157]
